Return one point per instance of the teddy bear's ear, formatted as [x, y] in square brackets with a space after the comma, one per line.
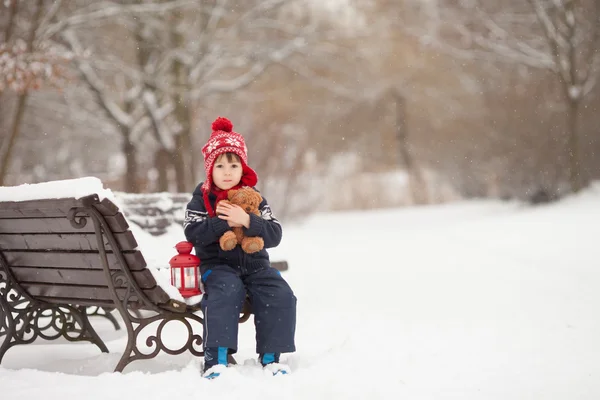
[231, 194]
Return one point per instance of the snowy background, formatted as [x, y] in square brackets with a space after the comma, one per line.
[416, 108]
[471, 300]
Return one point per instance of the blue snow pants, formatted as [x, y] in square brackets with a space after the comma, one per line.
[273, 306]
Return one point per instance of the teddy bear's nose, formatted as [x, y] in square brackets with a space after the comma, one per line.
[248, 209]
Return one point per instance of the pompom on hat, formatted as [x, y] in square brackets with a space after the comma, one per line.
[224, 140]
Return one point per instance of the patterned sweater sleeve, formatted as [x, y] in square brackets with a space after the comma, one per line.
[200, 229]
[265, 226]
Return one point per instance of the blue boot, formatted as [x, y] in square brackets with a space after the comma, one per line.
[270, 362]
[268, 358]
[215, 360]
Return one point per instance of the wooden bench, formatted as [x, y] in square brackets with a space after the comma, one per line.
[59, 257]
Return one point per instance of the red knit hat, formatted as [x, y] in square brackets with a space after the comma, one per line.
[224, 140]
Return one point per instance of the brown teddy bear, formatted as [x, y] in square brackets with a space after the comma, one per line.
[249, 199]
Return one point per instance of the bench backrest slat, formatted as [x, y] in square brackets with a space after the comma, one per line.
[117, 224]
[62, 242]
[80, 294]
[38, 208]
[71, 260]
[76, 277]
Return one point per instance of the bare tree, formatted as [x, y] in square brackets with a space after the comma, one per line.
[184, 56]
[31, 52]
[560, 36]
[23, 67]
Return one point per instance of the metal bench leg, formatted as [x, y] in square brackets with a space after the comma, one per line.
[8, 325]
[23, 320]
[50, 322]
[7, 321]
[87, 332]
[15, 312]
[138, 331]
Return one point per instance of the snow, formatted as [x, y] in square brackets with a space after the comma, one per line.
[473, 300]
[75, 188]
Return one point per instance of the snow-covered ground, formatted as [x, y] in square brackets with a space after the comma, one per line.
[471, 301]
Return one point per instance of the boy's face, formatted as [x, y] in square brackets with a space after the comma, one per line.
[226, 174]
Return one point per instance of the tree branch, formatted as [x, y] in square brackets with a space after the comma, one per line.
[95, 83]
[12, 15]
[108, 9]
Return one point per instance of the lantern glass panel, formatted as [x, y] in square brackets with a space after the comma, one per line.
[190, 279]
[176, 275]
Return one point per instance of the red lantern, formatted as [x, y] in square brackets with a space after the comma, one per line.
[185, 268]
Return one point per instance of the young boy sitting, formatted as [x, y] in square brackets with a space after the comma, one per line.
[228, 275]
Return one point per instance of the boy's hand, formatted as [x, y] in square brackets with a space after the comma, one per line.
[233, 214]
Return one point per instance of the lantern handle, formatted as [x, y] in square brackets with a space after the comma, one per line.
[184, 247]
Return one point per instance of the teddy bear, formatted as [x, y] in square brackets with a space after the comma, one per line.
[249, 199]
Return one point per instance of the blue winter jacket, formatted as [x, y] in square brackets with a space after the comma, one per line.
[204, 232]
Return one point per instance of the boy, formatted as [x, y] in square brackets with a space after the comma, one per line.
[228, 275]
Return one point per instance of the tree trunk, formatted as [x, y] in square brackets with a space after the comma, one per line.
[22, 99]
[189, 155]
[12, 139]
[162, 156]
[162, 163]
[179, 164]
[12, 12]
[416, 182]
[131, 174]
[183, 159]
[3, 128]
[575, 178]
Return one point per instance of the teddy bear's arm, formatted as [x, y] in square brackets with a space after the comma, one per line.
[265, 225]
